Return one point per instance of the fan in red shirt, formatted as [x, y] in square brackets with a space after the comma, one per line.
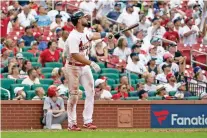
[122, 92]
[51, 54]
[69, 26]
[4, 23]
[124, 80]
[171, 34]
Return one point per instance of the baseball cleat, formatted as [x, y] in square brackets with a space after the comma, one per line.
[90, 126]
[74, 128]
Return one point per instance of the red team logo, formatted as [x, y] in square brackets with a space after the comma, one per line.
[161, 115]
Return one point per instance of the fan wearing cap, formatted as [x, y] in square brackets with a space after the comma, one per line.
[162, 76]
[58, 10]
[39, 94]
[153, 54]
[177, 26]
[199, 77]
[28, 37]
[171, 85]
[20, 44]
[181, 91]
[143, 95]
[157, 43]
[190, 32]
[161, 92]
[136, 66]
[116, 12]
[54, 110]
[149, 85]
[42, 18]
[132, 16]
[58, 23]
[19, 93]
[34, 48]
[101, 93]
[20, 59]
[168, 60]
[78, 71]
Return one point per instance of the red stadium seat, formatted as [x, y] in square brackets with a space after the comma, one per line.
[186, 52]
[203, 59]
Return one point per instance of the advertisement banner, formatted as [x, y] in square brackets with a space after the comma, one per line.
[178, 116]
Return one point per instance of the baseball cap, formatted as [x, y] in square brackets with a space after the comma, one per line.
[144, 3]
[154, 39]
[19, 56]
[58, 16]
[10, 8]
[61, 92]
[141, 92]
[37, 35]
[20, 40]
[187, 19]
[164, 66]
[135, 46]
[180, 84]
[104, 78]
[204, 94]
[134, 54]
[58, 30]
[177, 19]
[98, 82]
[28, 27]
[129, 6]
[197, 69]
[52, 91]
[34, 43]
[3, 50]
[154, 19]
[160, 87]
[117, 4]
[166, 56]
[169, 75]
[17, 89]
[58, 4]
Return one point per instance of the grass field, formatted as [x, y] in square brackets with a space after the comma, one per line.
[109, 133]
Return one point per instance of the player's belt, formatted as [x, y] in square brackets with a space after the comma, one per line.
[76, 64]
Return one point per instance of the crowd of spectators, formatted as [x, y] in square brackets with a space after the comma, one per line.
[150, 50]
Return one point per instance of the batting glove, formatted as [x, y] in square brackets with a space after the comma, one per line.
[95, 66]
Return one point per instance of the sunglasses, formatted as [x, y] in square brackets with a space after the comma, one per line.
[123, 87]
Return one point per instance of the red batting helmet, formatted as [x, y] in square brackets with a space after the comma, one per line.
[52, 90]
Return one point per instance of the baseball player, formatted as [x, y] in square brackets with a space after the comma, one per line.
[77, 69]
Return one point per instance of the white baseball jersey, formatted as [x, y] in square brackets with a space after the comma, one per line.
[78, 43]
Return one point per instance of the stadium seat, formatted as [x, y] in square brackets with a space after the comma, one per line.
[46, 81]
[132, 75]
[26, 88]
[26, 48]
[83, 96]
[192, 98]
[95, 76]
[133, 81]
[46, 70]
[6, 83]
[172, 93]
[47, 75]
[140, 80]
[36, 64]
[44, 86]
[130, 98]
[154, 98]
[81, 88]
[4, 95]
[27, 55]
[19, 81]
[134, 86]
[2, 69]
[101, 64]
[202, 59]
[110, 70]
[111, 82]
[34, 59]
[30, 94]
[53, 64]
[111, 75]
[5, 75]
[133, 94]
[113, 92]
[114, 86]
[11, 54]
[152, 93]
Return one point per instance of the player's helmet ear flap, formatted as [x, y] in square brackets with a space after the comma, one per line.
[77, 15]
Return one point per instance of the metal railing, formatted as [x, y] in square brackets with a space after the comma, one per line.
[8, 92]
[193, 61]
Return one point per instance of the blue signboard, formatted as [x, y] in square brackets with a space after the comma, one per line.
[179, 116]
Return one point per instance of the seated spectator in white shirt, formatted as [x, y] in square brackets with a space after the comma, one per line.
[101, 93]
[25, 17]
[62, 40]
[190, 32]
[128, 18]
[136, 48]
[162, 77]
[161, 92]
[168, 60]
[64, 86]
[143, 95]
[171, 85]
[87, 6]
[157, 43]
[32, 78]
[136, 66]
[181, 91]
[153, 54]
[149, 83]
[58, 23]
[14, 74]
[19, 93]
[122, 50]
[40, 92]
[58, 10]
